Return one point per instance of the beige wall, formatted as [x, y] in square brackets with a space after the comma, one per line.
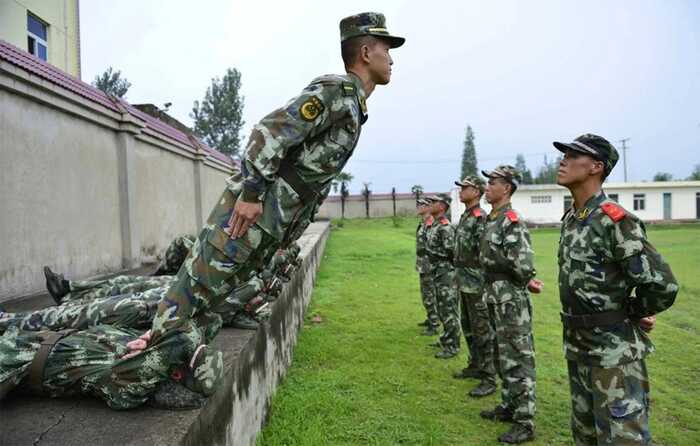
[379, 206]
[86, 190]
[63, 31]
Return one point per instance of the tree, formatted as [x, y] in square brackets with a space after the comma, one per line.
[695, 174]
[469, 154]
[342, 180]
[417, 190]
[663, 176]
[219, 118]
[366, 193]
[112, 83]
[548, 172]
[522, 167]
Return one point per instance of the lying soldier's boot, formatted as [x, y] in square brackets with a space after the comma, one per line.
[517, 434]
[469, 372]
[243, 321]
[172, 395]
[425, 323]
[498, 413]
[56, 285]
[484, 388]
[430, 331]
[447, 353]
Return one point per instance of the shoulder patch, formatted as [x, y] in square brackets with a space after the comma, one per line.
[444, 221]
[512, 215]
[612, 210]
[476, 212]
[349, 89]
[311, 109]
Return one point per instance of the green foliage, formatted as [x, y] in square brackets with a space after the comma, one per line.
[548, 172]
[364, 375]
[417, 190]
[695, 174]
[112, 83]
[218, 119]
[522, 168]
[469, 165]
[663, 176]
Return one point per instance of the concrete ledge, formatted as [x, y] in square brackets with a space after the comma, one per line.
[257, 362]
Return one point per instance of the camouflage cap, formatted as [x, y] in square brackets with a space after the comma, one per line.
[505, 171]
[368, 24]
[206, 370]
[473, 181]
[440, 197]
[422, 202]
[594, 146]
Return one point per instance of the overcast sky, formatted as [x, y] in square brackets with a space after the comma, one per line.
[521, 73]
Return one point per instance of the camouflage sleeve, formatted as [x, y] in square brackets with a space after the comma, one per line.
[519, 254]
[301, 118]
[448, 241]
[655, 286]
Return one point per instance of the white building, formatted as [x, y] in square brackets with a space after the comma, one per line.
[650, 201]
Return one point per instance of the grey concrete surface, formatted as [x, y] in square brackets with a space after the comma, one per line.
[256, 363]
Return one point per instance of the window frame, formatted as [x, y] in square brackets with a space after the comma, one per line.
[639, 202]
[35, 40]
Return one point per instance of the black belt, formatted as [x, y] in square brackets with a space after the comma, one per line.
[289, 174]
[36, 369]
[492, 277]
[594, 319]
[464, 264]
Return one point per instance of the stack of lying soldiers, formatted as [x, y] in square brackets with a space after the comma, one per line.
[93, 320]
[612, 283]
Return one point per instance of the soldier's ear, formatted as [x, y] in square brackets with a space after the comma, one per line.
[597, 167]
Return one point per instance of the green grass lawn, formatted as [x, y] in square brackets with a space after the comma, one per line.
[362, 374]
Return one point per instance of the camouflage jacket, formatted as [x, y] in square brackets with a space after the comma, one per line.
[175, 255]
[439, 246]
[603, 256]
[317, 131]
[88, 362]
[466, 259]
[505, 250]
[422, 263]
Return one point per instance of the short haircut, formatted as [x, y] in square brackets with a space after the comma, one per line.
[350, 49]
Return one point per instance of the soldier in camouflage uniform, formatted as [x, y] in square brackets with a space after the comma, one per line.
[292, 156]
[474, 313]
[506, 256]
[423, 267]
[90, 362]
[604, 256]
[439, 246]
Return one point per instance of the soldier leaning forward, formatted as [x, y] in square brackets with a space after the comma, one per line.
[604, 256]
[292, 156]
[506, 256]
[440, 250]
[474, 311]
[432, 320]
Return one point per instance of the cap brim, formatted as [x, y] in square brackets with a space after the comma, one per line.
[564, 147]
[486, 173]
[394, 41]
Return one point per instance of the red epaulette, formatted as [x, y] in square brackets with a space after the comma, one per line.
[512, 215]
[615, 212]
[444, 221]
[429, 221]
[476, 212]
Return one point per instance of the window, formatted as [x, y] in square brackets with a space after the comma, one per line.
[37, 37]
[535, 199]
[639, 202]
[614, 197]
[568, 200]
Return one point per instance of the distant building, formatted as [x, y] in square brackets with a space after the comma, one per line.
[48, 29]
[650, 201]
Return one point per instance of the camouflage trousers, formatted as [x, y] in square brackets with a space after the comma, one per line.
[511, 322]
[215, 266]
[134, 310]
[610, 406]
[81, 290]
[465, 310]
[481, 341]
[428, 297]
[445, 290]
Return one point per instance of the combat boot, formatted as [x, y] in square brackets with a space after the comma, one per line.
[498, 413]
[447, 353]
[485, 388]
[429, 331]
[56, 285]
[472, 371]
[244, 322]
[517, 434]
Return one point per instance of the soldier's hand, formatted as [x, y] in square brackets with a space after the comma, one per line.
[244, 216]
[137, 345]
[535, 286]
[647, 323]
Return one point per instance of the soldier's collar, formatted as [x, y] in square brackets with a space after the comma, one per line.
[495, 212]
[360, 93]
[591, 204]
